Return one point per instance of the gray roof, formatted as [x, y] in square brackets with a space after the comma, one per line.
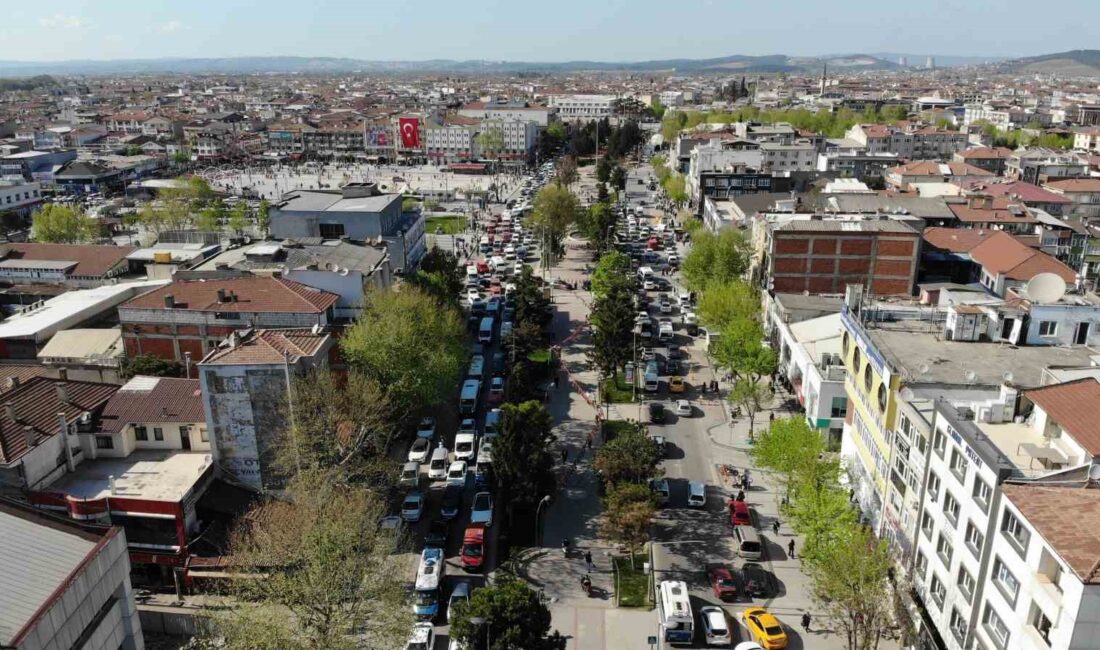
[750, 204]
[297, 254]
[320, 201]
[38, 554]
[797, 307]
[923, 207]
[836, 225]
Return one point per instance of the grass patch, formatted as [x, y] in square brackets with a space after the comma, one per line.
[633, 584]
[540, 356]
[449, 225]
[613, 428]
[616, 390]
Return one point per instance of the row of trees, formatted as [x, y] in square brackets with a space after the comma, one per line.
[672, 182]
[1031, 137]
[579, 139]
[851, 571]
[831, 124]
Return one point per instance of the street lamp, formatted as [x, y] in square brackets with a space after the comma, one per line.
[544, 501]
[477, 621]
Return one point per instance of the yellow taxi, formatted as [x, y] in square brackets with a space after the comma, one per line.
[676, 384]
[764, 628]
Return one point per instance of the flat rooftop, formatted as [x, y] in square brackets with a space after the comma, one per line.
[1010, 437]
[147, 474]
[927, 358]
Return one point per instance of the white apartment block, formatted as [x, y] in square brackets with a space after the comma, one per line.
[582, 108]
[19, 195]
[507, 111]
[519, 136]
[448, 143]
[779, 158]
[1087, 140]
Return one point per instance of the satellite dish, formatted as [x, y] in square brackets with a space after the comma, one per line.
[907, 394]
[923, 368]
[1046, 288]
[971, 376]
[1008, 377]
[1094, 472]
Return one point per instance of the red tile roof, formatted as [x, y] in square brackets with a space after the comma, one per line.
[1026, 192]
[36, 404]
[1067, 518]
[956, 240]
[1075, 406]
[268, 347]
[997, 213]
[986, 153]
[1004, 254]
[254, 294]
[153, 399]
[933, 168]
[91, 261]
[1076, 185]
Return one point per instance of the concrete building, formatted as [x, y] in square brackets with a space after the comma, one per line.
[1084, 194]
[518, 111]
[1039, 166]
[453, 140]
[191, 317]
[67, 584]
[70, 265]
[779, 158]
[85, 355]
[19, 196]
[737, 180]
[910, 143]
[244, 384]
[581, 108]
[991, 159]
[358, 211]
[929, 171]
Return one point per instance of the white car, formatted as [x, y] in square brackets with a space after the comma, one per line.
[683, 407]
[422, 637]
[472, 295]
[649, 285]
[482, 510]
[426, 428]
[461, 593]
[465, 446]
[716, 630]
[456, 474]
[412, 508]
[410, 474]
[509, 252]
[419, 451]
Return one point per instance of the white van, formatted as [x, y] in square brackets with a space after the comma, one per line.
[437, 466]
[748, 543]
[697, 494]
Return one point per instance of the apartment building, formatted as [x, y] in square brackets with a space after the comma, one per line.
[519, 138]
[453, 140]
[20, 197]
[929, 171]
[1039, 166]
[1083, 194]
[785, 158]
[1087, 140]
[582, 108]
[910, 143]
[508, 111]
[991, 159]
[737, 180]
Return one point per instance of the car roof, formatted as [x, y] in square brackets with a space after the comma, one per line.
[474, 534]
[461, 587]
[714, 616]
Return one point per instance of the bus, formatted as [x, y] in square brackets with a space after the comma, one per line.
[429, 580]
[467, 400]
[485, 332]
[674, 612]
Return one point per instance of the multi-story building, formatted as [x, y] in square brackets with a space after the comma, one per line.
[453, 140]
[783, 158]
[519, 138]
[192, 317]
[19, 196]
[1030, 195]
[929, 171]
[508, 111]
[244, 383]
[1038, 166]
[582, 108]
[1084, 194]
[67, 586]
[737, 180]
[991, 159]
[855, 164]
[910, 143]
[1088, 140]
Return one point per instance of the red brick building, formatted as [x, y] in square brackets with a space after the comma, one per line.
[824, 256]
[195, 315]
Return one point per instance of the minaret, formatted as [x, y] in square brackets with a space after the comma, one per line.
[824, 75]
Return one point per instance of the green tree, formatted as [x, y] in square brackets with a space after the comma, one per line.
[54, 223]
[491, 143]
[597, 225]
[658, 108]
[788, 447]
[149, 366]
[612, 270]
[741, 350]
[630, 456]
[181, 157]
[715, 258]
[263, 217]
[676, 188]
[618, 178]
[410, 344]
[239, 219]
[211, 217]
[523, 462]
[612, 320]
[555, 210]
[506, 615]
[440, 274]
[328, 581]
[603, 170]
[751, 397]
[724, 302]
[532, 306]
[628, 515]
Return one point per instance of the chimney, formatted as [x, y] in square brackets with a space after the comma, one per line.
[62, 392]
[114, 486]
[187, 363]
[9, 411]
[63, 374]
[30, 435]
[233, 296]
[169, 301]
[63, 428]
[13, 382]
[221, 296]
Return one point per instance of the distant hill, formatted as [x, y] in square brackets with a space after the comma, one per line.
[735, 64]
[1075, 63]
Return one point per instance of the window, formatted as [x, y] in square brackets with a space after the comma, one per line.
[1048, 328]
[104, 442]
[939, 443]
[140, 433]
[995, 627]
[926, 524]
[1015, 532]
[958, 625]
[937, 590]
[933, 487]
[974, 539]
[331, 230]
[982, 492]
[839, 407]
[1005, 581]
[905, 426]
[881, 397]
[920, 442]
[158, 434]
[944, 550]
[203, 436]
[868, 378]
[922, 565]
[958, 465]
[966, 583]
[951, 508]
[855, 360]
[1040, 622]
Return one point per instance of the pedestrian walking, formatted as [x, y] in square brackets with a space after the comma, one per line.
[588, 560]
[806, 621]
[790, 548]
[775, 526]
[564, 456]
[740, 495]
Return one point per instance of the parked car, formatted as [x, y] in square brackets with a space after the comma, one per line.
[460, 594]
[756, 580]
[418, 452]
[412, 508]
[496, 391]
[410, 474]
[676, 384]
[656, 412]
[662, 445]
[739, 513]
[452, 502]
[426, 428]
[422, 637]
[456, 473]
[473, 547]
[683, 408]
[716, 629]
[764, 628]
[437, 534]
[722, 582]
[482, 510]
[465, 446]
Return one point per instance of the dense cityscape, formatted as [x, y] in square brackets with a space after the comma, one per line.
[759, 352]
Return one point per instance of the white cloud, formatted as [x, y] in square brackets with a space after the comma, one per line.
[63, 21]
[172, 26]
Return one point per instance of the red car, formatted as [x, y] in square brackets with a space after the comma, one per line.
[473, 547]
[722, 582]
[739, 513]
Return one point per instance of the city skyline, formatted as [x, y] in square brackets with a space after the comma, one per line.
[494, 30]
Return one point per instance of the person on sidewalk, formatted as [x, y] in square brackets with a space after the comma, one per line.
[564, 456]
[806, 621]
[588, 560]
[775, 526]
[790, 548]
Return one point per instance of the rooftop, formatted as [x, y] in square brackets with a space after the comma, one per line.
[39, 555]
[797, 307]
[322, 201]
[1067, 518]
[87, 260]
[36, 404]
[1075, 406]
[268, 347]
[155, 475]
[250, 294]
[84, 344]
[153, 399]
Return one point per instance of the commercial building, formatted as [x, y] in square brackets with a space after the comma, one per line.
[191, 317]
[19, 196]
[737, 180]
[1084, 195]
[809, 358]
[581, 108]
[66, 584]
[358, 211]
[991, 159]
[70, 265]
[910, 143]
[930, 171]
[509, 111]
[244, 384]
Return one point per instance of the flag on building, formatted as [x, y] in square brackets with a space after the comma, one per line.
[410, 132]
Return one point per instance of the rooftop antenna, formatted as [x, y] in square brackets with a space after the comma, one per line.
[1008, 377]
[971, 377]
[1046, 288]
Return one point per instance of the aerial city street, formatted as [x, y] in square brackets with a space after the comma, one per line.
[417, 328]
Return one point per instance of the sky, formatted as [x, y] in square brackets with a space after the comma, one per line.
[522, 30]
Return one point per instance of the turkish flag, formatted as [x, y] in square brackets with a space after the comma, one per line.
[410, 132]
